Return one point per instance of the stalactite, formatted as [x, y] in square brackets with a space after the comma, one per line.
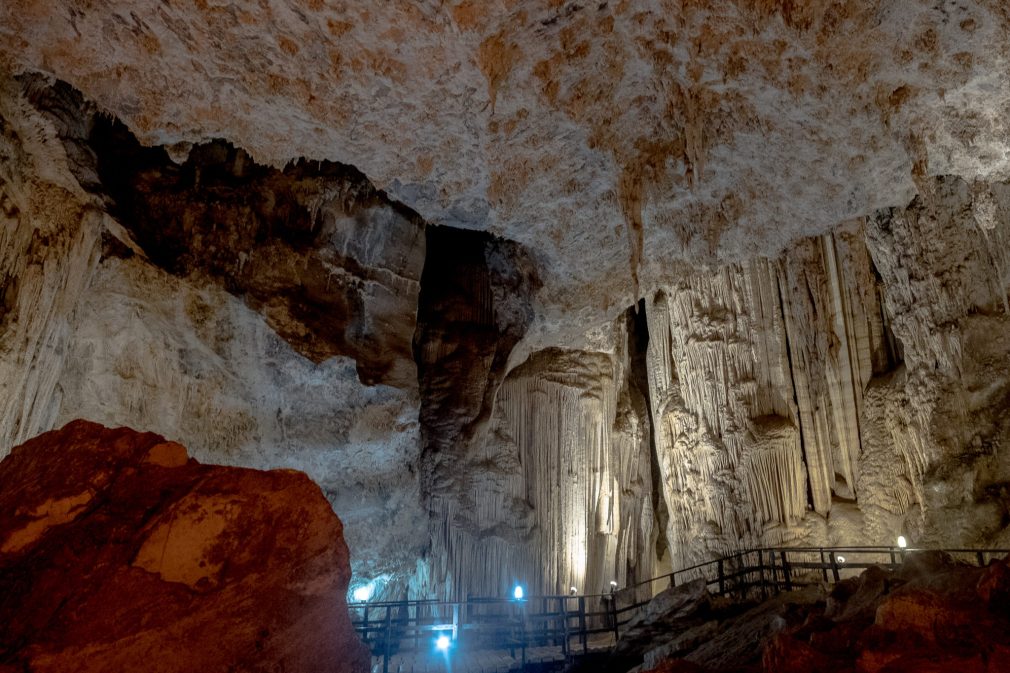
[49, 241]
[774, 475]
[756, 379]
[835, 338]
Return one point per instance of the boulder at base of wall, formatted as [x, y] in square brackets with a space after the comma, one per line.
[120, 553]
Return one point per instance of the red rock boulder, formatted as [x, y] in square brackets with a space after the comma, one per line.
[931, 615]
[120, 553]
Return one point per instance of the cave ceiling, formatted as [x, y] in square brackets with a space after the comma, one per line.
[614, 139]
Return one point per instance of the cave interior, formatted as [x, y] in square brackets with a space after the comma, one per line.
[537, 293]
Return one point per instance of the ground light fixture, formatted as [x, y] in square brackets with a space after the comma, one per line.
[902, 542]
[574, 591]
[518, 593]
[840, 559]
[442, 643]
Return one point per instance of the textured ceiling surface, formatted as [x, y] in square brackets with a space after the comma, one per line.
[611, 137]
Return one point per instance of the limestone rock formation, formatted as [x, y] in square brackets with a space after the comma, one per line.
[686, 629]
[332, 265]
[120, 553]
[554, 490]
[102, 321]
[538, 292]
[626, 133]
[756, 373]
[677, 611]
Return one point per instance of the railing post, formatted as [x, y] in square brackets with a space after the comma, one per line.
[774, 570]
[543, 617]
[522, 626]
[563, 609]
[364, 630]
[389, 635]
[722, 579]
[455, 621]
[824, 565]
[612, 599]
[761, 573]
[467, 611]
[981, 558]
[834, 567]
[582, 625]
[785, 571]
[417, 624]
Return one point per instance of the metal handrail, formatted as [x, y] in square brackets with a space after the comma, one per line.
[731, 574]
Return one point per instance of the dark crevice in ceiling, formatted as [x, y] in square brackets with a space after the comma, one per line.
[475, 306]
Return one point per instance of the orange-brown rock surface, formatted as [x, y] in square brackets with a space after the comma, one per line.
[931, 615]
[120, 553]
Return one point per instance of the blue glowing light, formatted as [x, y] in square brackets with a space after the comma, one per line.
[518, 593]
[442, 643]
[363, 593]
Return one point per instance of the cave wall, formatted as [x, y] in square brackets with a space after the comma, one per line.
[265, 318]
[756, 373]
[194, 363]
[850, 389]
[558, 494]
[49, 242]
[940, 424]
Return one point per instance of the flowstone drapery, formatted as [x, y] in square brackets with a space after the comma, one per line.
[559, 494]
[756, 373]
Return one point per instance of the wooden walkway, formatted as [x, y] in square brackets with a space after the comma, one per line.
[495, 635]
